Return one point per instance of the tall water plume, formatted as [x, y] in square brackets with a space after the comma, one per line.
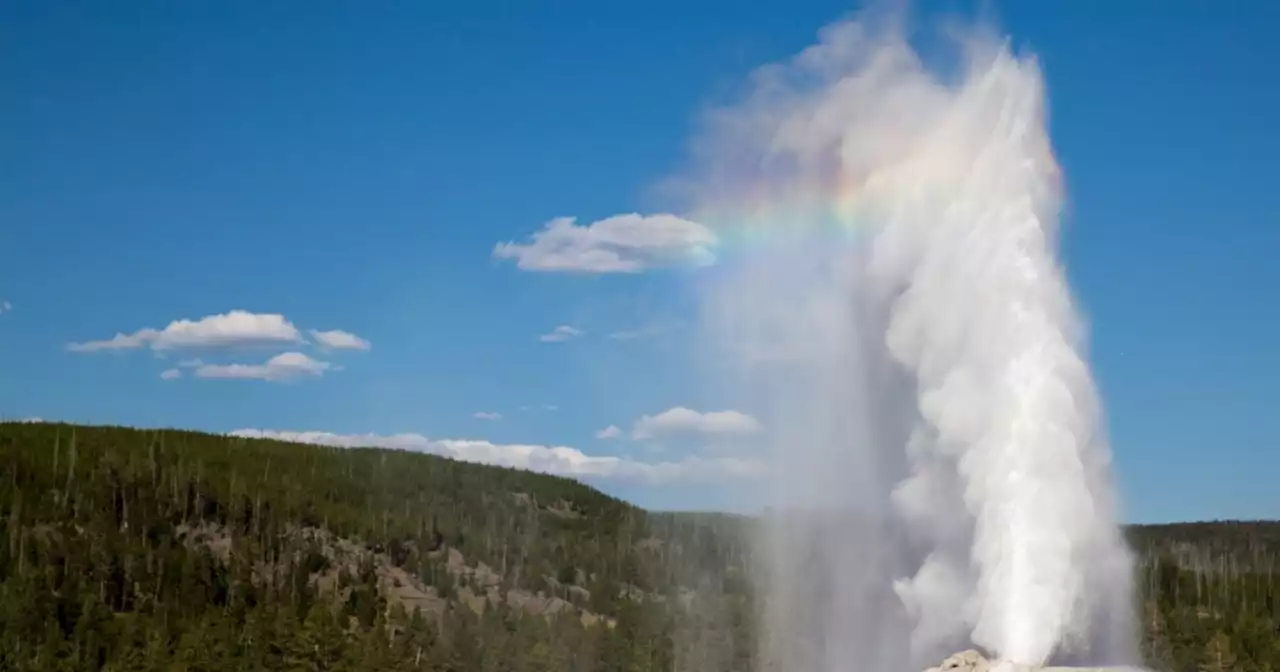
[891, 293]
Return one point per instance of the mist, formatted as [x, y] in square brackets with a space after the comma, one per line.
[890, 297]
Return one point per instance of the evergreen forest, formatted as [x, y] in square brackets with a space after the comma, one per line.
[142, 550]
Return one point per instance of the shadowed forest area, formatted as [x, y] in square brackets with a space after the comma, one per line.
[125, 549]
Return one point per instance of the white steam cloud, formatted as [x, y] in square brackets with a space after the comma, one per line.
[942, 473]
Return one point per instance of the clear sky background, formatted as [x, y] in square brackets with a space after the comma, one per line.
[351, 166]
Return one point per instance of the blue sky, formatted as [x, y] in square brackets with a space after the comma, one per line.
[351, 167]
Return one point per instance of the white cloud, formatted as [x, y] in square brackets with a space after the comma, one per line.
[238, 328]
[282, 367]
[486, 415]
[680, 420]
[626, 243]
[558, 460]
[610, 432]
[170, 374]
[5, 306]
[337, 339]
[560, 334]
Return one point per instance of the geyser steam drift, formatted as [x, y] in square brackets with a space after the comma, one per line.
[891, 292]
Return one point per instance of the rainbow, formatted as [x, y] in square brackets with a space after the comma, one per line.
[760, 219]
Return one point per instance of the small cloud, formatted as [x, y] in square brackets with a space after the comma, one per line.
[560, 334]
[5, 306]
[238, 328]
[486, 415]
[340, 340]
[282, 367]
[610, 432]
[558, 460]
[626, 243]
[170, 374]
[680, 420]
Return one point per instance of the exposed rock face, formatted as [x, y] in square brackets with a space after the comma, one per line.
[965, 661]
[973, 661]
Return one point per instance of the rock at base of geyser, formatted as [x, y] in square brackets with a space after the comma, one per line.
[965, 661]
[973, 661]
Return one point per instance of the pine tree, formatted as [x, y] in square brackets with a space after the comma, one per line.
[1218, 656]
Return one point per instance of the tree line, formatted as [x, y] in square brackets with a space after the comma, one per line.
[124, 549]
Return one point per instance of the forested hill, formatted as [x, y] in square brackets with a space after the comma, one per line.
[135, 549]
[126, 549]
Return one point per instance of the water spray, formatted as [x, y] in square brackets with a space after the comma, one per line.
[891, 287]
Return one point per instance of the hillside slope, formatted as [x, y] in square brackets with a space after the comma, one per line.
[125, 549]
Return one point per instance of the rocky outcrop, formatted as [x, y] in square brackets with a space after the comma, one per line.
[965, 661]
[973, 661]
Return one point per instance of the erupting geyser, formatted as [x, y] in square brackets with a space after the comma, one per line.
[891, 292]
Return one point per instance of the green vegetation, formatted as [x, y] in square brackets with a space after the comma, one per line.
[129, 550]
[123, 549]
[1210, 595]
